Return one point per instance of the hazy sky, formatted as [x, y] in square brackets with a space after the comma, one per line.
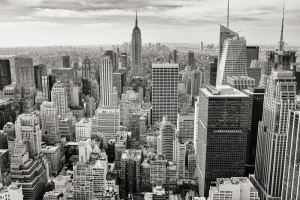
[88, 22]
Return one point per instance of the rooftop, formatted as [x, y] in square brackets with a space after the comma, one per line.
[240, 78]
[165, 65]
[131, 153]
[222, 91]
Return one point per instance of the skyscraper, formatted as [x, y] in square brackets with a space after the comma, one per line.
[291, 184]
[47, 84]
[136, 43]
[59, 97]
[210, 73]
[191, 59]
[280, 59]
[24, 71]
[252, 54]
[256, 109]
[106, 121]
[167, 137]
[5, 74]
[106, 80]
[131, 161]
[39, 71]
[124, 64]
[50, 123]
[175, 57]
[233, 60]
[66, 63]
[225, 33]
[86, 68]
[222, 134]
[113, 59]
[196, 82]
[164, 92]
[27, 127]
[279, 98]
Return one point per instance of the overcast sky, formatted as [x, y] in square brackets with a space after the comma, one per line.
[93, 22]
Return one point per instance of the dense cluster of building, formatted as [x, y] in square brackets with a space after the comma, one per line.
[222, 127]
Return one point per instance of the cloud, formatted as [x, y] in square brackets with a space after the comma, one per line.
[21, 25]
[172, 20]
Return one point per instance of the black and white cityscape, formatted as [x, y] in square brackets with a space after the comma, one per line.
[149, 100]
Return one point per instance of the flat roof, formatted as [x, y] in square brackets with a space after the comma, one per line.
[224, 91]
[165, 65]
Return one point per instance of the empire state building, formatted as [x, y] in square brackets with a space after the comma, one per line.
[136, 43]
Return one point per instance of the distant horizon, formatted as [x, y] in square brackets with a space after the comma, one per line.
[163, 43]
[34, 23]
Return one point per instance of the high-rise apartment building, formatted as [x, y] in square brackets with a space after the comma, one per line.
[291, 184]
[59, 97]
[136, 48]
[222, 134]
[280, 97]
[49, 119]
[5, 74]
[233, 60]
[164, 92]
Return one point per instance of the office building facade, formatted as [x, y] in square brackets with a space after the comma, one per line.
[233, 60]
[164, 92]
[222, 139]
[280, 97]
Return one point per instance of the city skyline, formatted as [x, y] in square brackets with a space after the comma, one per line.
[87, 22]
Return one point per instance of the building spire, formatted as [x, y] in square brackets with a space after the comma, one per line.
[228, 14]
[136, 19]
[281, 42]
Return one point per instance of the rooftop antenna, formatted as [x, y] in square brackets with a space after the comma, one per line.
[228, 14]
[136, 20]
[281, 42]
